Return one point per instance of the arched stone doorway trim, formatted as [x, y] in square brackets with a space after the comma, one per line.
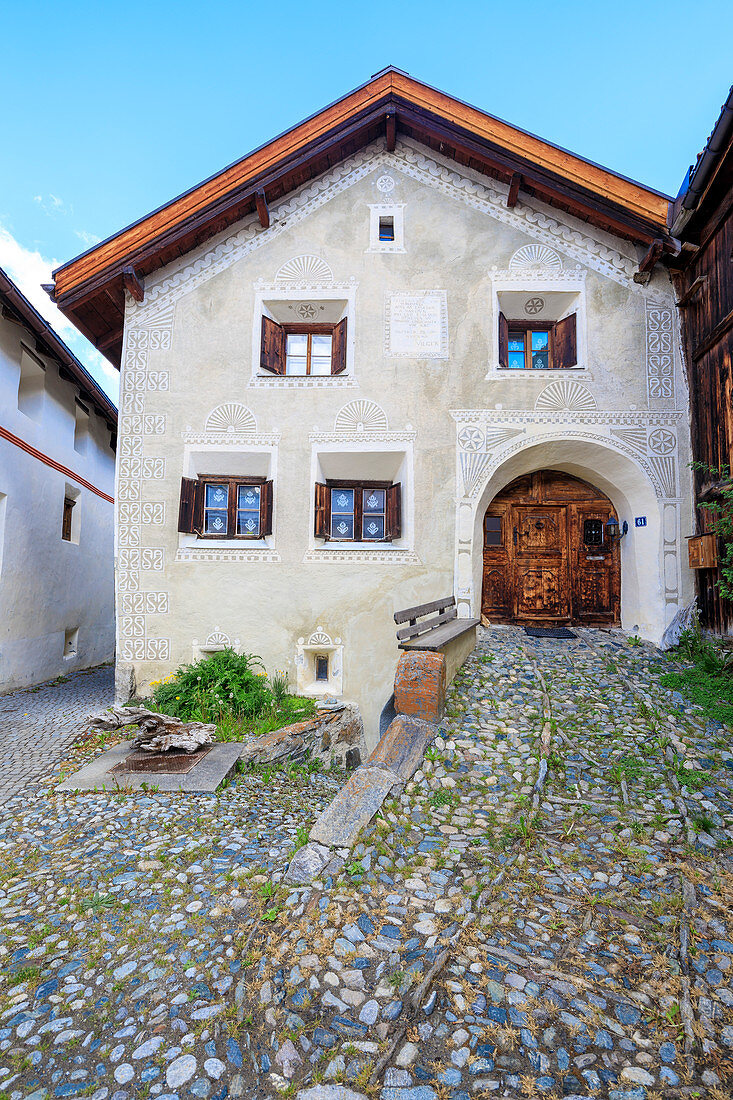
[650, 582]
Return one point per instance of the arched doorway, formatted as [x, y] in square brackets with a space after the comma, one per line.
[546, 555]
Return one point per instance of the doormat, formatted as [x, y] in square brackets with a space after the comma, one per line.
[549, 632]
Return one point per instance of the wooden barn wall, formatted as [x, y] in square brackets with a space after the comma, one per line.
[709, 357]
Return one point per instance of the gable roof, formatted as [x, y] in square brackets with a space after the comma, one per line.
[90, 288]
[708, 181]
[17, 308]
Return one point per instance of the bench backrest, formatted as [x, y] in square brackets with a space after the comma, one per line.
[444, 610]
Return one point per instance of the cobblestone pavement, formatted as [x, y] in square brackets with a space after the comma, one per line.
[38, 724]
[544, 910]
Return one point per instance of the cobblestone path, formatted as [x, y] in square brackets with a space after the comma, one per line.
[39, 723]
[543, 911]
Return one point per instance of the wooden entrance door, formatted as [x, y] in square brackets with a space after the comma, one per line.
[546, 555]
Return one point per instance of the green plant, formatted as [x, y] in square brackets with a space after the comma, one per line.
[24, 974]
[279, 685]
[301, 837]
[719, 513]
[222, 682]
[231, 690]
[98, 901]
[396, 979]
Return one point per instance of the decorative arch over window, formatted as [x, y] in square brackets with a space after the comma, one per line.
[306, 270]
[565, 396]
[361, 416]
[231, 417]
[535, 257]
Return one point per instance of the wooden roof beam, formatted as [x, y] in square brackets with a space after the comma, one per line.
[536, 179]
[133, 284]
[514, 185]
[697, 285]
[232, 204]
[391, 130]
[263, 210]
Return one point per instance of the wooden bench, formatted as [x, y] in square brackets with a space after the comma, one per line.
[436, 627]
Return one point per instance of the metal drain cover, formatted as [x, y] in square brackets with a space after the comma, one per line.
[167, 763]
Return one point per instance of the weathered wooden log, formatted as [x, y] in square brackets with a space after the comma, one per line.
[156, 732]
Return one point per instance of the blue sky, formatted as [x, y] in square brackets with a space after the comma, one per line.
[110, 110]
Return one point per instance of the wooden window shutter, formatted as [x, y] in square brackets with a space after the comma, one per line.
[338, 348]
[190, 509]
[272, 350]
[66, 525]
[323, 511]
[394, 512]
[266, 508]
[503, 341]
[564, 342]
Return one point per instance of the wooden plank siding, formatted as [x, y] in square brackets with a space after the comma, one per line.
[707, 335]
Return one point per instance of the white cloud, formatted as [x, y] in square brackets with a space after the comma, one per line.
[87, 238]
[28, 269]
[53, 205]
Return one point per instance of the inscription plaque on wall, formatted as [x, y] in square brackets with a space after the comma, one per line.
[416, 324]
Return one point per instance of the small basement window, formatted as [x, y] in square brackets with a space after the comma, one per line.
[71, 642]
[358, 511]
[386, 227]
[321, 667]
[225, 507]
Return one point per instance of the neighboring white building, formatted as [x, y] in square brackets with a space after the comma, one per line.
[402, 351]
[57, 467]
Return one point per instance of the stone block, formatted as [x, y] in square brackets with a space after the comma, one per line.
[330, 1092]
[354, 806]
[402, 748]
[307, 863]
[420, 684]
[334, 734]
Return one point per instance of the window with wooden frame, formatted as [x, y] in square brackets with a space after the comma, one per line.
[302, 350]
[66, 522]
[225, 507]
[358, 511]
[538, 345]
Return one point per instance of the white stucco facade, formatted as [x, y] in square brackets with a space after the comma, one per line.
[423, 402]
[56, 595]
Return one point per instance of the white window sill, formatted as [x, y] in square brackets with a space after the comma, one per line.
[298, 382]
[362, 553]
[228, 551]
[189, 541]
[503, 372]
[393, 248]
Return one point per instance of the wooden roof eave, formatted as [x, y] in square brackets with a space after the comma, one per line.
[391, 100]
[243, 202]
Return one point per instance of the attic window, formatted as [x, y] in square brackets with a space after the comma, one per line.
[386, 227]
